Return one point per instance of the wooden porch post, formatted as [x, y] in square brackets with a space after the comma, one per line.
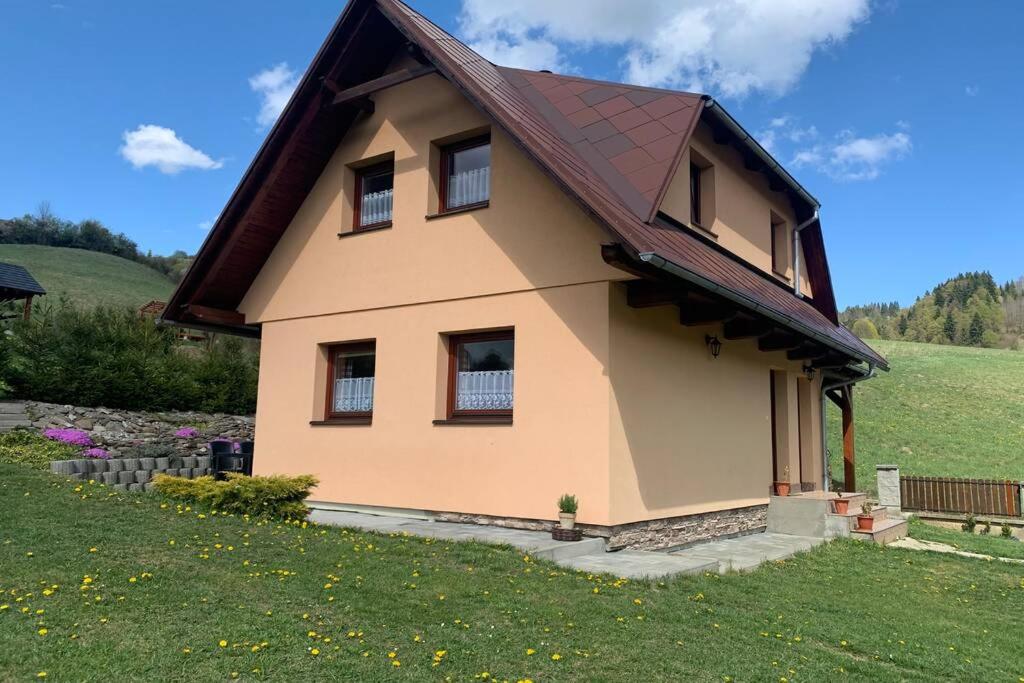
[28, 307]
[849, 454]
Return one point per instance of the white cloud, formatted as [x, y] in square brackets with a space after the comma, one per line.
[150, 145]
[784, 129]
[972, 90]
[732, 47]
[275, 87]
[851, 158]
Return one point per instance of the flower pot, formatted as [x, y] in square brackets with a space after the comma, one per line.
[865, 522]
[782, 488]
[842, 506]
[567, 520]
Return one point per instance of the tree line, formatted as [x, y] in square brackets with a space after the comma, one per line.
[45, 228]
[967, 310]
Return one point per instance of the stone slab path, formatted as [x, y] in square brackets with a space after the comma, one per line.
[741, 553]
[936, 547]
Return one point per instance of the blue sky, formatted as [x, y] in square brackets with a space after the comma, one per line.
[901, 117]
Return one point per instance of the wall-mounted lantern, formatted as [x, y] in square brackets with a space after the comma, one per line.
[714, 345]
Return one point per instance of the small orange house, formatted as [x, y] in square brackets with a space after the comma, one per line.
[478, 288]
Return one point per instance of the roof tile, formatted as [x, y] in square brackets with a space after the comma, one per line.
[663, 106]
[632, 160]
[629, 119]
[648, 132]
[584, 117]
[569, 104]
[615, 145]
[600, 94]
[600, 130]
[614, 106]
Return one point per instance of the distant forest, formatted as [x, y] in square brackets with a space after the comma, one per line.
[46, 229]
[967, 310]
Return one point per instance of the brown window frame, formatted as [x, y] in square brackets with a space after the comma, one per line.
[454, 342]
[447, 152]
[357, 201]
[351, 417]
[695, 172]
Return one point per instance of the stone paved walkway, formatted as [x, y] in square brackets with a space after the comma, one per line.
[936, 547]
[740, 554]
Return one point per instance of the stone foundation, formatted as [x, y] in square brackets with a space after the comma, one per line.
[654, 534]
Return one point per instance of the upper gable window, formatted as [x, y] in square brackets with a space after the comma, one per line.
[466, 174]
[780, 245]
[695, 193]
[375, 187]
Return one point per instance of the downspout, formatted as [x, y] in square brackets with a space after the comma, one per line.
[824, 430]
[797, 251]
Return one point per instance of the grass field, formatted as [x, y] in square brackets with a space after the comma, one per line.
[98, 586]
[88, 277]
[944, 411]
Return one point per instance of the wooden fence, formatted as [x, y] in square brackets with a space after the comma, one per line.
[976, 496]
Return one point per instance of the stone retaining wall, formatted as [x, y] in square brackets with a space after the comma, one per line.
[123, 432]
[132, 474]
[653, 534]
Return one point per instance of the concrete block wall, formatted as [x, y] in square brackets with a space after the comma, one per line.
[133, 474]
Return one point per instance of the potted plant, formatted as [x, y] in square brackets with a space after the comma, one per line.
[842, 504]
[782, 487]
[567, 506]
[865, 520]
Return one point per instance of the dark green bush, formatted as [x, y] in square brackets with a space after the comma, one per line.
[111, 357]
[278, 496]
[28, 447]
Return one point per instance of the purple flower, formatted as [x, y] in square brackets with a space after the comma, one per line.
[187, 433]
[75, 437]
[96, 453]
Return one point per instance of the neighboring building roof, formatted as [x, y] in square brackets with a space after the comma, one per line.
[17, 283]
[612, 147]
[154, 307]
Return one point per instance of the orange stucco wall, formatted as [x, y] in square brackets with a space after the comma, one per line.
[690, 433]
[737, 208]
[622, 407]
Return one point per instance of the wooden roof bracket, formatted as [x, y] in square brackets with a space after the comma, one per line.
[360, 92]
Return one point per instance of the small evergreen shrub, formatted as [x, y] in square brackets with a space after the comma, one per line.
[986, 528]
[969, 524]
[27, 447]
[1006, 531]
[567, 503]
[276, 496]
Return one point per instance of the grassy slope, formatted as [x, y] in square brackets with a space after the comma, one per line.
[942, 411]
[88, 277]
[847, 609]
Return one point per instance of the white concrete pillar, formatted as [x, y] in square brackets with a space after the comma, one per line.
[888, 480]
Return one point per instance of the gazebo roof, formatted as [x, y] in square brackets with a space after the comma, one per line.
[17, 283]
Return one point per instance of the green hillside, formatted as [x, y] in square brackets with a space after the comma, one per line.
[88, 277]
[946, 411]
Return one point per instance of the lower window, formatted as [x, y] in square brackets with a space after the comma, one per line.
[350, 371]
[481, 371]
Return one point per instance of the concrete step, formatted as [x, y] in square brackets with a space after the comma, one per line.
[566, 550]
[641, 564]
[7, 425]
[885, 531]
[17, 407]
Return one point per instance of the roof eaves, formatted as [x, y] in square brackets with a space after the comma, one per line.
[742, 299]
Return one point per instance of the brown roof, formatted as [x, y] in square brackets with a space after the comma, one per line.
[612, 147]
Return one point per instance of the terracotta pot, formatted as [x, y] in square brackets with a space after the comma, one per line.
[782, 488]
[865, 522]
[567, 520]
[842, 506]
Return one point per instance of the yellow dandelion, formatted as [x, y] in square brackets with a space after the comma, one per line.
[223, 643]
[530, 651]
[314, 652]
[41, 674]
[42, 631]
[555, 657]
[92, 550]
[395, 663]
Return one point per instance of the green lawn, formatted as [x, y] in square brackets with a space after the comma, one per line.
[215, 597]
[88, 277]
[943, 411]
[992, 544]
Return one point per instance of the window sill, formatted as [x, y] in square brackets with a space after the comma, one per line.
[368, 228]
[461, 209]
[342, 421]
[476, 420]
[706, 231]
